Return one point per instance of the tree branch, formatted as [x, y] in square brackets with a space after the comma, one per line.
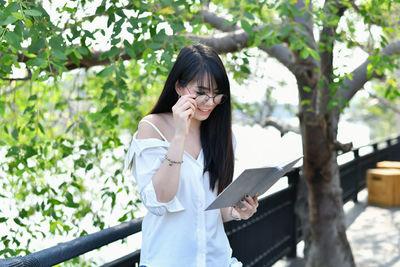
[28, 77]
[225, 43]
[231, 41]
[342, 147]
[216, 21]
[268, 121]
[281, 127]
[332, 9]
[86, 62]
[306, 20]
[359, 75]
[385, 102]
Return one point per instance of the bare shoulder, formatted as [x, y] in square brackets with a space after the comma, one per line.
[146, 130]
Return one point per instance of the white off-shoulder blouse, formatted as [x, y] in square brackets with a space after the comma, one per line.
[180, 232]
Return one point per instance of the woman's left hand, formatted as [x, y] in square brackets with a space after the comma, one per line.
[250, 205]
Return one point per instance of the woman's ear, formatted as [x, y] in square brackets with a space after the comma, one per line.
[179, 90]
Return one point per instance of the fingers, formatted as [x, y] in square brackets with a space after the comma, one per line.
[250, 200]
[185, 98]
[247, 206]
[184, 107]
[183, 111]
[255, 199]
[250, 205]
[184, 103]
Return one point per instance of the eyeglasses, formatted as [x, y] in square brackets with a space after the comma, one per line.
[203, 98]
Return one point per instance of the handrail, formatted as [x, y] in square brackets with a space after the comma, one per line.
[386, 140]
[71, 249]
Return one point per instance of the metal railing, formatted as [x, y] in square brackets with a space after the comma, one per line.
[272, 233]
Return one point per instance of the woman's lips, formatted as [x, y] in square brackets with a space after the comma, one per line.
[204, 111]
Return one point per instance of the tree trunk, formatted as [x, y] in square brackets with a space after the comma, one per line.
[302, 212]
[329, 246]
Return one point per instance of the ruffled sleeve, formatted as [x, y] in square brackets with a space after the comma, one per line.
[144, 157]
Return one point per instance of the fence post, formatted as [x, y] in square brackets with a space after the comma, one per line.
[356, 153]
[397, 150]
[375, 152]
[389, 149]
[293, 180]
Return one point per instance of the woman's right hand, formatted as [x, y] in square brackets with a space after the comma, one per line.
[182, 112]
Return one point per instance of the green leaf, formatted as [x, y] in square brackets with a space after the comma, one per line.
[29, 109]
[2, 107]
[77, 54]
[89, 167]
[167, 11]
[304, 53]
[83, 50]
[314, 54]
[36, 45]
[14, 133]
[305, 102]
[123, 218]
[248, 15]
[17, 15]
[106, 71]
[84, 127]
[54, 202]
[9, 20]
[244, 69]
[177, 26]
[333, 103]
[32, 98]
[70, 201]
[13, 39]
[40, 127]
[3, 219]
[306, 89]
[246, 26]
[39, 62]
[69, 127]
[127, 106]
[13, 151]
[59, 54]
[33, 12]
[28, 22]
[58, 48]
[12, 7]
[18, 221]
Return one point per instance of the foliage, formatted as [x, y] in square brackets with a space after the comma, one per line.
[62, 132]
[60, 164]
[381, 112]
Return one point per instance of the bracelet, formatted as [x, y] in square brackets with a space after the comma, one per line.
[171, 162]
[233, 217]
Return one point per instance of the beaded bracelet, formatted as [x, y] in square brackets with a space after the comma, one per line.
[171, 162]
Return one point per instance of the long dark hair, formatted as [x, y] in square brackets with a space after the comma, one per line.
[199, 62]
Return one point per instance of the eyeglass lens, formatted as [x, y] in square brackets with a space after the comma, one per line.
[218, 99]
[203, 98]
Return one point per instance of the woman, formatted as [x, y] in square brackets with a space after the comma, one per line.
[182, 157]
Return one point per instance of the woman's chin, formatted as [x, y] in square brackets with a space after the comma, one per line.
[202, 114]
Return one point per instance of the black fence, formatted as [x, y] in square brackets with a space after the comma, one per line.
[271, 234]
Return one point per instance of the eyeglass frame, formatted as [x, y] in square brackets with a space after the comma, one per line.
[208, 97]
